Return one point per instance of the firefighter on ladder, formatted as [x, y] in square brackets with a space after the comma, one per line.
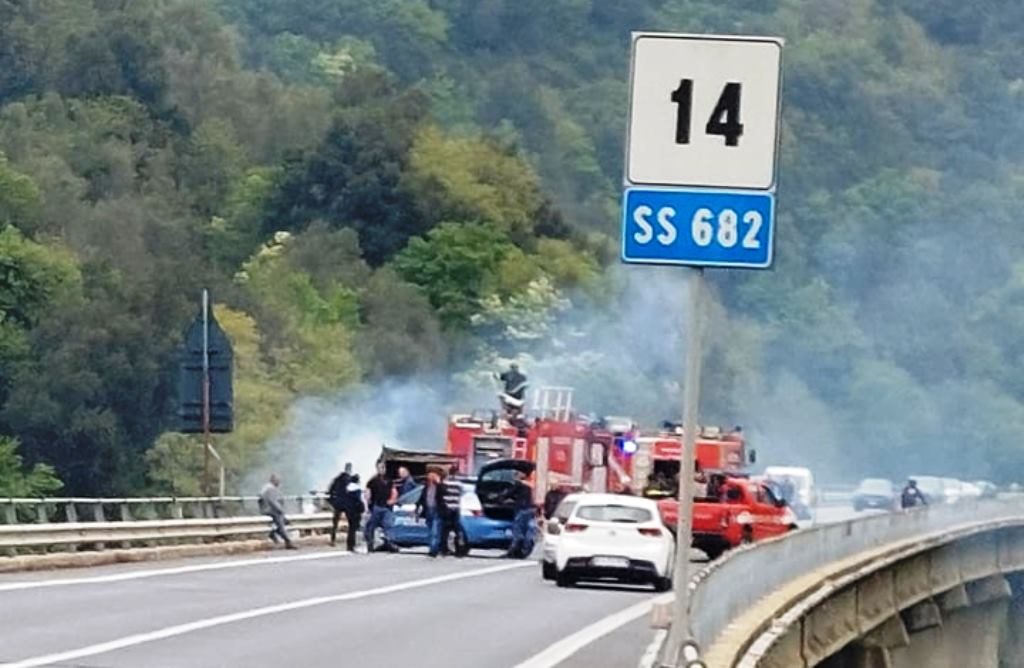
[513, 396]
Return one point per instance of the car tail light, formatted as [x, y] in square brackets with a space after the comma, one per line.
[575, 528]
[653, 532]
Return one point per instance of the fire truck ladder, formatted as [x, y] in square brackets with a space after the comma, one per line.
[553, 402]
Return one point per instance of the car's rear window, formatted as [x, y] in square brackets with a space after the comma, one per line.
[627, 514]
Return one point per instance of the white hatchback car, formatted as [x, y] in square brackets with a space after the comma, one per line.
[609, 537]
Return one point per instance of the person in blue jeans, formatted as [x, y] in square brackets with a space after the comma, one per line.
[524, 522]
[431, 507]
[380, 499]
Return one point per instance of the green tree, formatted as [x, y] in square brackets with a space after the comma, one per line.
[456, 265]
[353, 178]
[16, 481]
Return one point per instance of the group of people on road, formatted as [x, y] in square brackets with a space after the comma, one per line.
[437, 505]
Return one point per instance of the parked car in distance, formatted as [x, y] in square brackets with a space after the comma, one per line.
[880, 493]
[988, 489]
[968, 490]
[952, 489]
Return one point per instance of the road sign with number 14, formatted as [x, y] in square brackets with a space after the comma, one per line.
[704, 111]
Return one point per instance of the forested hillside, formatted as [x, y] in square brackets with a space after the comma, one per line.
[407, 192]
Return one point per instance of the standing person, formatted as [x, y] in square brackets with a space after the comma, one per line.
[431, 508]
[452, 495]
[405, 483]
[514, 392]
[380, 499]
[515, 382]
[272, 504]
[337, 495]
[911, 496]
[353, 511]
[522, 526]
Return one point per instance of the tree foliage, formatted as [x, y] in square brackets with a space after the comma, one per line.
[379, 190]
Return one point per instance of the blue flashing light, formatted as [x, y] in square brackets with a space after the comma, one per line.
[628, 445]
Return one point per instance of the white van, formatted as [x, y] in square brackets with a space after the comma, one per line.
[802, 479]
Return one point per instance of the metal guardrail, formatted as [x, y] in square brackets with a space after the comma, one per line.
[83, 509]
[24, 536]
[724, 589]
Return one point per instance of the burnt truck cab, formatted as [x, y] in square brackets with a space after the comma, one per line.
[417, 461]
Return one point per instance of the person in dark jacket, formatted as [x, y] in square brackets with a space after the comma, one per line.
[452, 494]
[337, 496]
[522, 526]
[353, 511]
[381, 494]
[431, 508]
[911, 496]
[515, 382]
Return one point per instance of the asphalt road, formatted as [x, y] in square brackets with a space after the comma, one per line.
[321, 608]
[316, 608]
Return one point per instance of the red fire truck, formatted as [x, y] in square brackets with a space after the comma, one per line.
[568, 449]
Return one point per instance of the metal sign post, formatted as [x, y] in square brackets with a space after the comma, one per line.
[206, 393]
[699, 180]
[205, 388]
[679, 631]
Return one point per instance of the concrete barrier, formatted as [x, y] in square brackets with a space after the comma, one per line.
[730, 586]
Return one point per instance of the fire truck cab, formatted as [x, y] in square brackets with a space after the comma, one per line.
[656, 457]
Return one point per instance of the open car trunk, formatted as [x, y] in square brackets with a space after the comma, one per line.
[497, 487]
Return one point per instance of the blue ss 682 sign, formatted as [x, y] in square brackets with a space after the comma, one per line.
[700, 228]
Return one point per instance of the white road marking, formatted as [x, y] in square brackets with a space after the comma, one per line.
[566, 647]
[650, 657]
[159, 572]
[181, 629]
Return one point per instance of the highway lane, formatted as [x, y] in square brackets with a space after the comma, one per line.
[310, 608]
[390, 608]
